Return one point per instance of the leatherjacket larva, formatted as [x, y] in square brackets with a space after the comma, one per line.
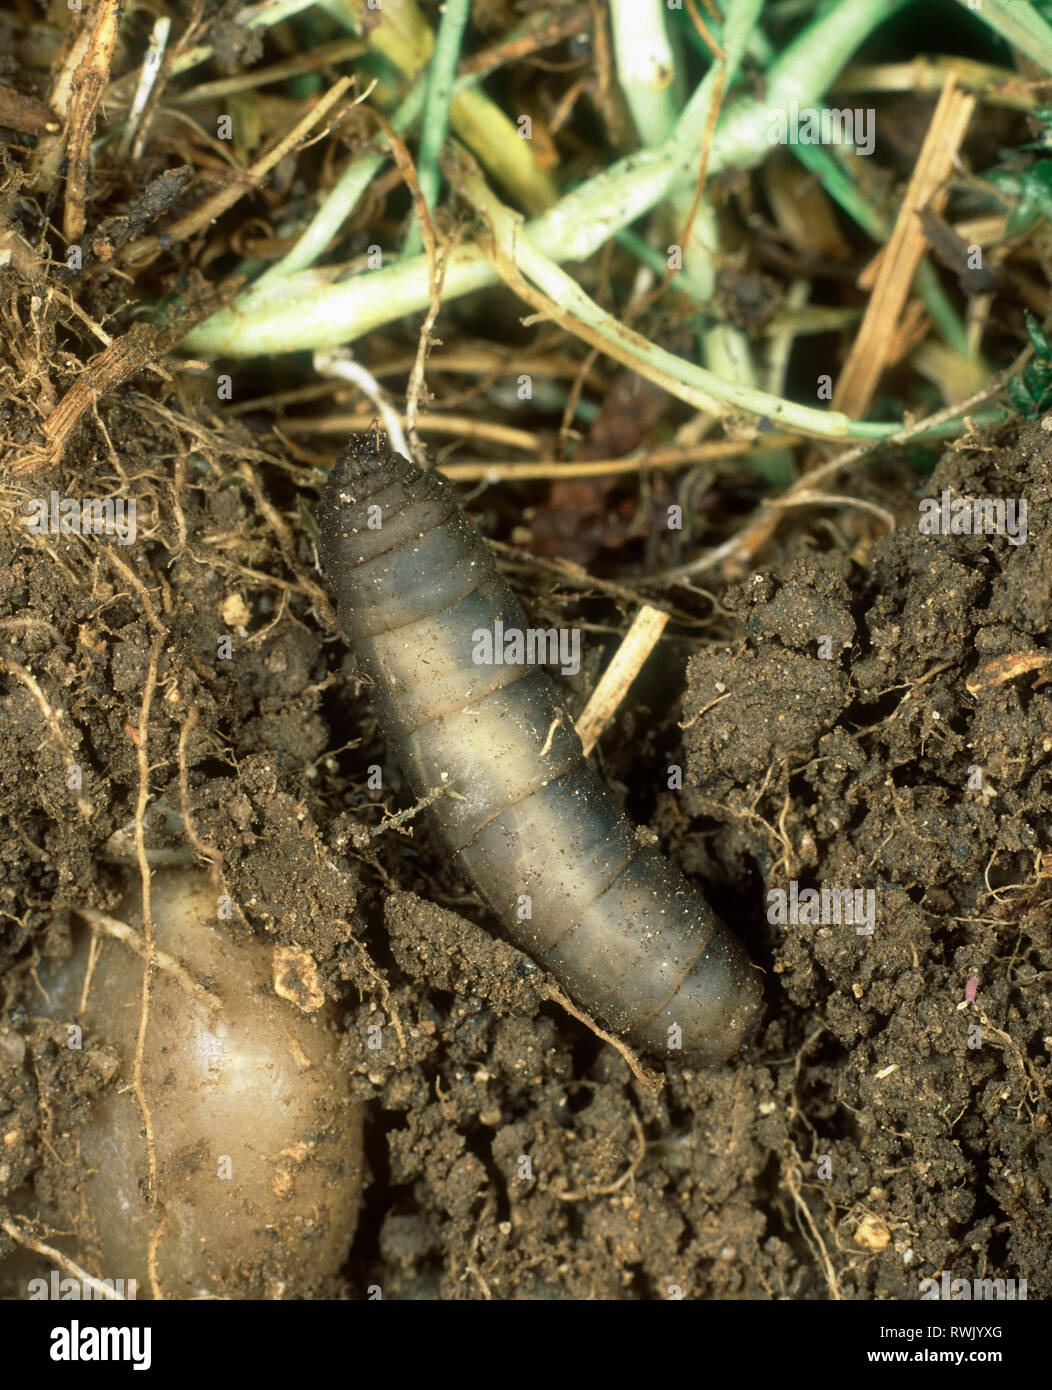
[530, 824]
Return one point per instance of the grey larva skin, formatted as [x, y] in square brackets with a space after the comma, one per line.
[622, 930]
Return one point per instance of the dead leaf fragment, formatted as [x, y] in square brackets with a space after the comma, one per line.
[296, 978]
[1003, 669]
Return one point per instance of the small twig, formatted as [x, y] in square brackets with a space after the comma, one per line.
[639, 641]
[471, 1264]
[689, 723]
[86, 89]
[151, 67]
[647, 460]
[425, 341]
[550, 737]
[873, 349]
[32, 622]
[124, 357]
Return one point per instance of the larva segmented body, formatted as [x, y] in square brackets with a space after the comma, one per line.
[622, 930]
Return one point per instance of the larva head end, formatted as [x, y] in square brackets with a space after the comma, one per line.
[363, 468]
[361, 457]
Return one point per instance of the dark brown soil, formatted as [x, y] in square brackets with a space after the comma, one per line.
[882, 1128]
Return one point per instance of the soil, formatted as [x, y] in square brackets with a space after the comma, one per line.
[859, 713]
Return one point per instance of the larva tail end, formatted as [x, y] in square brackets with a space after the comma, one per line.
[720, 1006]
[734, 1045]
